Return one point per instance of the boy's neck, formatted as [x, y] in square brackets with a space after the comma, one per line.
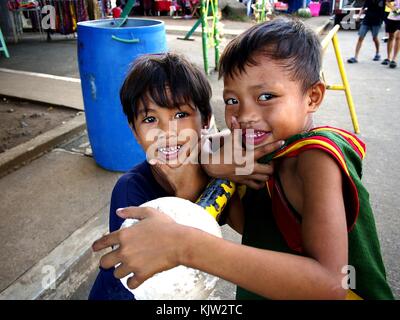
[309, 124]
[193, 184]
[187, 181]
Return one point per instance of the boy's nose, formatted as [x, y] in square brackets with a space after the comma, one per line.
[170, 127]
[247, 116]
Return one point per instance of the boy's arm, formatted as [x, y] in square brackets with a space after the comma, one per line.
[324, 232]
[324, 225]
[235, 213]
[317, 275]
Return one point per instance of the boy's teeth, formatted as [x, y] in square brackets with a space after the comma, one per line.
[170, 149]
[256, 134]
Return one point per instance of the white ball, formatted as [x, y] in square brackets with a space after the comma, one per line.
[179, 283]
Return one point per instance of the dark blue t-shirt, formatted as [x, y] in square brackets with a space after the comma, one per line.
[375, 12]
[133, 189]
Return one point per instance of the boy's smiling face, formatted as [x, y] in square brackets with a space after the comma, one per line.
[169, 135]
[266, 99]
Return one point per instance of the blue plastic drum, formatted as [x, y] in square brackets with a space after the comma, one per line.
[105, 53]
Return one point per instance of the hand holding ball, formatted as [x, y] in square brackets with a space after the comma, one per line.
[180, 282]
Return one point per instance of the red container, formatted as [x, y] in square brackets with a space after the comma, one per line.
[162, 5]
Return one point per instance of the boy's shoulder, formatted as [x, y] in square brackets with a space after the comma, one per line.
[342, 145]
[324, 144]
[315, 163]
[139, 180]
[138, 175]
[133, 188]
[318, 154]
[139, 172]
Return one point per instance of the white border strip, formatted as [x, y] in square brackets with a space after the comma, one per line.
[40, 75]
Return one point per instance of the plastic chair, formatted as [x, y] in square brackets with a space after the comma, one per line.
[3, 45]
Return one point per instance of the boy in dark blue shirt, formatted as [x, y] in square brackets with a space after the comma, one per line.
[151, 102]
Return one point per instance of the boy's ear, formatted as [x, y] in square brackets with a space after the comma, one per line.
[315, 96]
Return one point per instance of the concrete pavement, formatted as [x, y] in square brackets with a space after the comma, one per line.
[66, 196]
[42, 204]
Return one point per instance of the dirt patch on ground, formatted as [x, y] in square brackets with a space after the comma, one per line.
[21, 121]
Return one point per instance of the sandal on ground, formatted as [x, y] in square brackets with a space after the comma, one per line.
[385, 62]
[392, 64]
[377, 57]
[352, 60]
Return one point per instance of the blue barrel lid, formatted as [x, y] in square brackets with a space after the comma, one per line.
[131, 23]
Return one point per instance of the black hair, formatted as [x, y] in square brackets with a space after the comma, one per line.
[287, 41]
[169, 80]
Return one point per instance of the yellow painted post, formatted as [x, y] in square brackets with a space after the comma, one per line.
[332, 35]
[325, 42]
[346, 85]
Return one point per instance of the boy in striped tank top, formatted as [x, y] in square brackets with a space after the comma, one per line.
[309, 232]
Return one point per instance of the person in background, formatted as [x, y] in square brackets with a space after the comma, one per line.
[393, 29]
[387, 11]
[374, 13]
[116, 12]
[147, 7]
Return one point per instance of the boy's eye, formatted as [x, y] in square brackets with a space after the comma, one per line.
[265, 97]
[149, 119]
[181, 115]
[231, 101]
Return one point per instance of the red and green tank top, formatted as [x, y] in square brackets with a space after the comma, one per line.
[271, 222]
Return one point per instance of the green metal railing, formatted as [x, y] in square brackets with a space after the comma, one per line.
[209, 29]
[210, 33]
[3, 46]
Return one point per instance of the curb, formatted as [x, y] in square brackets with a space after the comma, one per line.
[55, 90]
[18, 156]
[64, 269]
